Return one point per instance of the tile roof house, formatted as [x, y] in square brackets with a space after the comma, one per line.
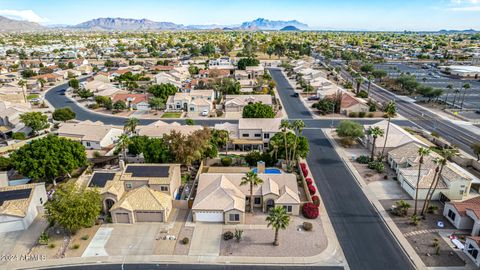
[93, 135]
[221, 198]
[465, 215]
[10, 117]
[350, 104]
[159, 128]
[133, 101]
[20, 205]
[195, 101]
[140, 192]
[455, 182]
[236, 103]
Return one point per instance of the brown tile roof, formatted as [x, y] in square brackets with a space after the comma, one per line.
[134, 98]
[472, 204]
[348, 101]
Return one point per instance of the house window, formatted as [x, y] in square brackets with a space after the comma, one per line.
[192, 109]
[461, 192]
[258, 200]
[245, 135]
[163, 188]
[472, 251]
[258, 135]
[266, 135]
[128, 185]
[451, 214]
[234, 217]
[41, 200]
[288, 208]
[88, 144]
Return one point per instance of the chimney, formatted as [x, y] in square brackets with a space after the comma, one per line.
[260, 167]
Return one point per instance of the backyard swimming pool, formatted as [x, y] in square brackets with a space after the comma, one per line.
[269, 171]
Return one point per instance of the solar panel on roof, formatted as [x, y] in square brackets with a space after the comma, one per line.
[99, 179]
[148, 171]
[10, 195]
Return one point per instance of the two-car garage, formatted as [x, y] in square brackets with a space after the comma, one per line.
[209, 216]
[139, 216]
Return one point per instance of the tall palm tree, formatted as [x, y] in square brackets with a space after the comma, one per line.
[446, 154]
[422, 152]
[455, 94]
[252, 179]
[130, 125]
[449, 87]
[42, 82]
[297, 126]
[22, 84]
[278, 219]
[375, 132]
[359, 81]
[465, 88]
[275, 145]
[284, 127]
[122, 144]
[370, 79]
[390, 112]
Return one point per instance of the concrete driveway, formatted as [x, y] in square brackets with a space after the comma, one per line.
[388, 190]
[206, 240]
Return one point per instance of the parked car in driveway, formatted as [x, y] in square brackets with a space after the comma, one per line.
[204, 113]
[295, 95]
[313, 98]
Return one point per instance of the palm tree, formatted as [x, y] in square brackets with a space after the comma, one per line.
[275, 145]
[122, 144]
[449, 87]
[441, 162]
[390, 111]
[359, 81]
[42, 82]
[298, 126]
[422, 152]
[278, 219]
[375, 132]
[370, 79]
[252, 179]
[465, 88]
[130, 125]
[285, 126]
[22, 84]
[455, 92]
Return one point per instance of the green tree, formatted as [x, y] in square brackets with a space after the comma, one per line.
[28, 73]
[35, 120]
[193, 70]
[137, 145]
[74, 83]
[465, 88]
[251, 179]
[156, 103]
[246, 62]
[390, 111]
[48, 158]
[122, 145]
[285, 127]
[163, 90]
[221, 138]
[156, 151]
[375, 132]
[258, 110]
[278, 219]
[189, 122]
[422, 152]
[297, 126]
[74, 208]
[84, 93]
[130, 125]
[5, 163]
[119, 105]
[349, 131]
[63, 114]
[324, 106]
[208, 49]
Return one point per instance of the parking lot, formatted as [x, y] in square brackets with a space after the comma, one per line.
[433, 77]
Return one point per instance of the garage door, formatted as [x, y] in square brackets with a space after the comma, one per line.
[149, 216]
[210, 216]
[122, 218]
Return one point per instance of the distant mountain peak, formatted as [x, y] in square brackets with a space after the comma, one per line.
[10, 25]
[265, 24]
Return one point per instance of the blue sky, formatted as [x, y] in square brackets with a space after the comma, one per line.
[318, 14]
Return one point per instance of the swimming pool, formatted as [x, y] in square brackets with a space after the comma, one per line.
[269, 171]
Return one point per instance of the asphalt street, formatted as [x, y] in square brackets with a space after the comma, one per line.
[189, 267]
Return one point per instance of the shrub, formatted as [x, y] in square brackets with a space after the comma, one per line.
[185, 241]
[310, 210]
[303, 166]
[432, 208]
[43, 239]
[312, 189]
[93, 106]
[362, 114]
[238, 235]
[52, 246]
[352, 114]
[316, 200]
[377, 166]
[307, 226]
[363, 159]
[435, 134]
[228, 236]
[18, 136]
[305, 172]
[226, 161]
[309, 181]
[370, 115]
[362, 94]
[85, 237]
[76, 246]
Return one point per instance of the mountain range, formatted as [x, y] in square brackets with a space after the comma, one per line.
[9, 25]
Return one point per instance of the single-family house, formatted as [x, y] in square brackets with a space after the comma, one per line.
[159, 128]
[195, 101]
[350, 104]
[20, 205]
[221, 198]
[221, 63]
[133, 101]
[236, 103]
[139, 193]
[92, 135]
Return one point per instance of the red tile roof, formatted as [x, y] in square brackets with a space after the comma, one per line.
[162, 68]
[134, 98]
[472, 204]
[348, 101]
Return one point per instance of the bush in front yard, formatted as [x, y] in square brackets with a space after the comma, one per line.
[310, 210]
[226, 161]
[185, 241]
[228, 236]
[377, 166]
[312, 189]
[363, 159]
[316, 200]
[309, 181]
[305, 172]
[307, 226]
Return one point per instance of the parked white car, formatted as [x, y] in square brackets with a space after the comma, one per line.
[204, 113]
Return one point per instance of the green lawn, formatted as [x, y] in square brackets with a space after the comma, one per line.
[171, 115]
[32, 96]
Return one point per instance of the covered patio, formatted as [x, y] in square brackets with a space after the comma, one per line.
[246, 145]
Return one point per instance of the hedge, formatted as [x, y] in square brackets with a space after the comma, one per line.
[310, 211]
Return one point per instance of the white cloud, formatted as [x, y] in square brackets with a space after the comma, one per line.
[25, 15]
